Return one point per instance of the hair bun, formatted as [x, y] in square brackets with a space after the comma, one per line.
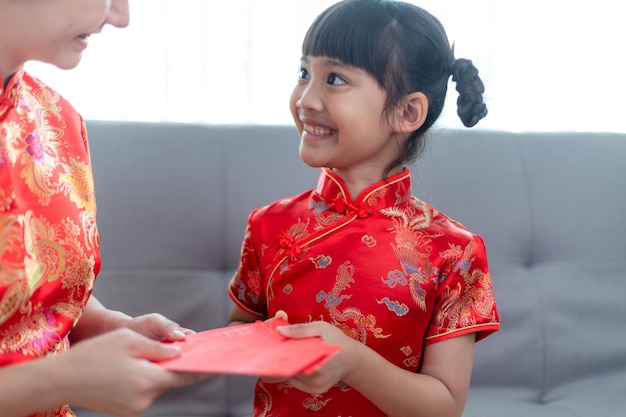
[470, 105]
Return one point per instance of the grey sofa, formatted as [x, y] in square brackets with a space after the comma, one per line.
[172, 205]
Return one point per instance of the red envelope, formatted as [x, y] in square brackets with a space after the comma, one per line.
[250, 349]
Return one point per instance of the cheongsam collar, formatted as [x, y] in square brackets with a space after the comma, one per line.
[9, 94]
[389, 192]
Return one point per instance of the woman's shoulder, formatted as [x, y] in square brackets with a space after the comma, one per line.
[46, 95]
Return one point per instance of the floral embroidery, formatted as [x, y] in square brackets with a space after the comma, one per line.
[77, 183]
[34, 147]
[405, 275]
[49, 242]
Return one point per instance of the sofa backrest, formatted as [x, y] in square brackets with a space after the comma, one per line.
[173, 201]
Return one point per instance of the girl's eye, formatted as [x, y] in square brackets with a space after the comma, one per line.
[303, 74]
[334, 79]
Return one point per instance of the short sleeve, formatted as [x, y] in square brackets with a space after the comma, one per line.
[246, 288]
[465, 300]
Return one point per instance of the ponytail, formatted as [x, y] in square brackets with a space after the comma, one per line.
[470, 105]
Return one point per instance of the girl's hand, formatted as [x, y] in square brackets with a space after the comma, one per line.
[157, 327]
[334, 370]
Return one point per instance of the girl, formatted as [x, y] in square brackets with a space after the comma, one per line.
[359, 261]
[49, 244]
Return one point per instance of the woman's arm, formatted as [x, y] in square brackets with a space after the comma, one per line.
[97, 319]
[110, 370]
[112, 373]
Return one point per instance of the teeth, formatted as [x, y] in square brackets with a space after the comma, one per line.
[318, 131]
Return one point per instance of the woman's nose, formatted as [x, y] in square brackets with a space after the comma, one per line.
[119, 15]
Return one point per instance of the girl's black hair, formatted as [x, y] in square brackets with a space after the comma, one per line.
[407, 50]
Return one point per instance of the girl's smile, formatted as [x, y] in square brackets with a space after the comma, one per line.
[311, 132]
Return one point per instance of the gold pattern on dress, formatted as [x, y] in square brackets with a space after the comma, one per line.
[407, 244]
[323, 219]
[14, 294]
[71, 311]
[314, 403]
[35, 334]
[456, 311]
[363, 323]
[11, 131]
[77, 183]
[6, 200]
[45, 255]
[90, 230]
[42, 148]
[10, 234]
[79, 278]
[369, 241]
[265, 397]
[412, 362]
[415, 217]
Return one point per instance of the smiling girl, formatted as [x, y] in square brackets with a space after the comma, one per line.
[360, 261]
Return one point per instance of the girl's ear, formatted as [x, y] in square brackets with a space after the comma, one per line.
[411, 113]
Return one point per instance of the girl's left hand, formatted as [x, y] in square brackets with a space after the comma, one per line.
[158, 327]
[333, 370]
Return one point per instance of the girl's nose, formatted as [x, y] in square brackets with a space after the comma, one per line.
[310, 98]
[119, 15]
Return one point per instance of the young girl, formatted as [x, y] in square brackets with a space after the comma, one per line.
[49, 243]
[359, 261]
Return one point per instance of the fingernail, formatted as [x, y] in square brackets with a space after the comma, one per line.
[173, 350]
[178, 333]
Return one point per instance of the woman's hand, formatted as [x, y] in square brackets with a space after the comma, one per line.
[97, 320]
[114, 373]
[157, 327]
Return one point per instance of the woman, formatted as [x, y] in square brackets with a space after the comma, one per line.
[49, 242]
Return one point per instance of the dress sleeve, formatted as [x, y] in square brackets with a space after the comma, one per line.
[246, 288]
[465, 299]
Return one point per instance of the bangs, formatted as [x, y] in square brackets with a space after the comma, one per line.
[352, 33]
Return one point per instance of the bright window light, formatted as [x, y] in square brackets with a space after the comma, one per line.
[547, 65]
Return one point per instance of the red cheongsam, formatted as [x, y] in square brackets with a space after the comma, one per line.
[387, 269]
[49, 244]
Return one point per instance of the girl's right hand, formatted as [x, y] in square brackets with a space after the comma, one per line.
[114, 373]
